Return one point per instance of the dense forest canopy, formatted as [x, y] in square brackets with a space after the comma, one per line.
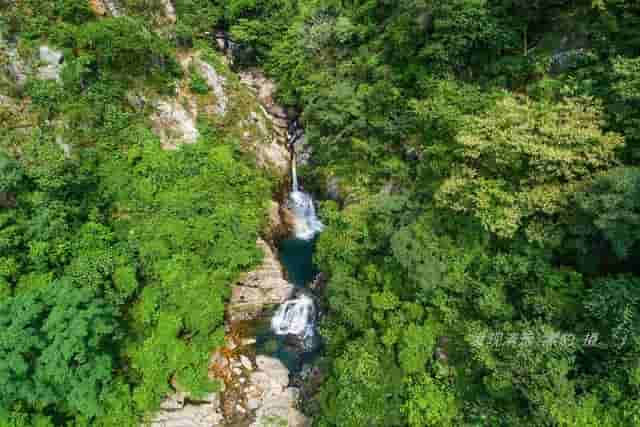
[483, 261]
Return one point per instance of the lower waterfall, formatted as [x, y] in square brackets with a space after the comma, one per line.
[296, 317]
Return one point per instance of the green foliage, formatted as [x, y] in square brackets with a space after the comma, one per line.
[484, 193]
[56, 348]
[416, 347]
[626, 90]
[198, 84]
[194, 18]
[429, 403]
[614, 302]
[518, 163]
[364, 385]
[606, 223]
[124, 43]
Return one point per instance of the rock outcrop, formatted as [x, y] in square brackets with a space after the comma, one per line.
[176, 411]
[265, 89]
[46, 65]
[215, 82]
[174, 124]
[51, 63]
[257, 391]
[259, 289]
[169, 11]
[15, 67]
[271, 395]
[175, 118]
[105, 8]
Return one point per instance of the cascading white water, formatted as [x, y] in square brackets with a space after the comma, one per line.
[296, 317]
[306, 222]
[294, 173]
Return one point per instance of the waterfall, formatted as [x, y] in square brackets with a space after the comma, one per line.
[294, 173]
[306, 222]
[296, 317]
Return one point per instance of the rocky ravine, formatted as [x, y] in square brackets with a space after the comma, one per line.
[257, 391]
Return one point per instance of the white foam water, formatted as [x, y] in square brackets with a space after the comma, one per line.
[306, 222]
[296, 317]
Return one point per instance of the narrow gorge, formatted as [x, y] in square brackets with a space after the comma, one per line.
[271, 338]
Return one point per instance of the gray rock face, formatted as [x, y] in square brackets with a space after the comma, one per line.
[174, 124]
[216, 83]
[273, 154]
[260, 288]
[175, 119]
[51, 61]
[265, 90]
[303, 151]
[169, 11]
[47, 65]
[112, 7]
[281, 222]
[177, 413]
[17, 69]
[274, 399]
[333, 189]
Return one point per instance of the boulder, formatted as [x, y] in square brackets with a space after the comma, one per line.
[303, 151]
[333, 189]
[112, 7]
[105, 8]
[246, 362]
[173, 402]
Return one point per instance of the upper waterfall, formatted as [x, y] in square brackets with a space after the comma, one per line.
[294, 172]
[301, 204]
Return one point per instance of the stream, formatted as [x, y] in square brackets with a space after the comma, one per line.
[291, 334]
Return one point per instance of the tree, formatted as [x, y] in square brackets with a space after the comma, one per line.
[605, 230]
[516, 165]
[429, 403]
[626, 102]
[56, 348]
